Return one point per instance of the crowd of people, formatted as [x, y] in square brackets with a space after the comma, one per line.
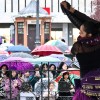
[13, 82]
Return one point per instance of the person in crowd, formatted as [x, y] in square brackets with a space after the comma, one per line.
[87, 47]
[62, 67]
[20, 74]
[65, 86]
[52, 68]
[37, 71]
[12, 86]
[51, 91]
[26, 85]
[3, 70]
[3, 74]
[26, 76]
[44, 71]
[35, 76]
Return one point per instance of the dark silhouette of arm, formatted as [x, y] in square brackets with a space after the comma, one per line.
[77, 18]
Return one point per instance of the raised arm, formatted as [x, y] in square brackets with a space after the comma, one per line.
[83, 17]
[76, 17]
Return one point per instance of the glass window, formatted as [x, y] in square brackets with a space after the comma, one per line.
[47, 28]
[20, 33]
[20, 28]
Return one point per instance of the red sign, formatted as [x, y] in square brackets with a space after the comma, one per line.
[47, 9]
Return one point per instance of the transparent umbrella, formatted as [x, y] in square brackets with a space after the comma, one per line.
[21, 54]
[59, 44]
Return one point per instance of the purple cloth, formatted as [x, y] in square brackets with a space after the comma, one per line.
[92, 79]
[14, 89]
[89, 84]
[81, 96]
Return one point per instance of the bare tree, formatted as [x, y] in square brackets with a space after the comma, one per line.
[96, 12]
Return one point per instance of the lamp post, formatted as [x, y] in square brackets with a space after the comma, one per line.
[37, 39]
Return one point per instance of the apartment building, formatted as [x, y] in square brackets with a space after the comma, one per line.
[61, 27]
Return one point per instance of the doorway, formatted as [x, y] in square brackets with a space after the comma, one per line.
[31, 36]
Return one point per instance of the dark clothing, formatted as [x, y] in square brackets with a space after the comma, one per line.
[60, 68]
[32, 80]
[88, 55]
[64, 87]
[87, 51]
[78, 18]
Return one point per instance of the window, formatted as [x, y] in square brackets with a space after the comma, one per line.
[20, 28]
[20, 33]
[46, 31]
[47, 28]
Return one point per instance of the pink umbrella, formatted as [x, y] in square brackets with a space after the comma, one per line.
[2, 52]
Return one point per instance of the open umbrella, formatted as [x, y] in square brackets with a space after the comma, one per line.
[61, 57]
[45, 59]
[21, 54]
[74, 71]
[3, 57]
[45, 50]
[2, 52]
[17, 63]
[73, 74]
[18, 48]
[58, 43]
[3, 48]
[7, 44]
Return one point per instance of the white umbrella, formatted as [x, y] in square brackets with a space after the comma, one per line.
[45, 59]
[21, 54]
[7, 44]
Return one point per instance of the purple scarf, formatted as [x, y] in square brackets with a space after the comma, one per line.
[94, 40]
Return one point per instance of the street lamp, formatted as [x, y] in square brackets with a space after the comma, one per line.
[37, 39]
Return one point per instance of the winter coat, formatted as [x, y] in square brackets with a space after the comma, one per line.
[10, 88]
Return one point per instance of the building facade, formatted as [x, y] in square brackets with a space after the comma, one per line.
[61, 27]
